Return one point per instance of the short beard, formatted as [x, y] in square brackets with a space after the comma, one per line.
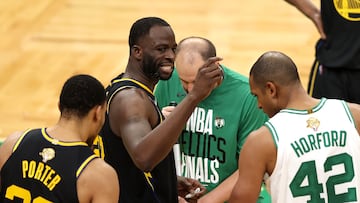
[150, 68]
[156, 75]
[166, 78]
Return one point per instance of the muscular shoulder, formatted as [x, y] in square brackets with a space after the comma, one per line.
[261, 142]
[260, 137]
[7, 147]
[98, 181]
[131, 109]
[130, 101]
[96, 171]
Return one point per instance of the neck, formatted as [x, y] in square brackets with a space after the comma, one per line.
[68, 130]
[299, 99]
[140, 77]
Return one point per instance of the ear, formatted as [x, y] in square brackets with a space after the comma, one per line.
[99, 112]
[136, 51]
[271, 89]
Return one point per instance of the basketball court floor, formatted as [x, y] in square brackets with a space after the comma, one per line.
[43, 42]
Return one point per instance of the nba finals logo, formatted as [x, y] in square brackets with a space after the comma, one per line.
[47, 154]
[313, 123]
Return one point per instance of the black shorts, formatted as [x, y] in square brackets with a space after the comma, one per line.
[334, 83]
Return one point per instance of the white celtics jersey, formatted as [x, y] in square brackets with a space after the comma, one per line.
[318, 155]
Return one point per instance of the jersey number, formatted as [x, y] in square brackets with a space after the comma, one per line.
[314, 188]
[24, 194]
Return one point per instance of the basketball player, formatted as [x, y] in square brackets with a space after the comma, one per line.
[213, 136]
[336, 70]
[137, 141]
[310, 147]
[55, 164]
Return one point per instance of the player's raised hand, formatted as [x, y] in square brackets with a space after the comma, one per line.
[209, 76]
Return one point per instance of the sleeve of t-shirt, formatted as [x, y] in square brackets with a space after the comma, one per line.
[161, 94]
[251, 119]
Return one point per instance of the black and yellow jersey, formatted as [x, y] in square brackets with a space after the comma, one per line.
[159, 185]
[341, 22]
[43, 169]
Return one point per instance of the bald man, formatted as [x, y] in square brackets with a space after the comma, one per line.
[309, 147]
[214, 134]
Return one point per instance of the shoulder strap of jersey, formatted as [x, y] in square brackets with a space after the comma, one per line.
[21, 138]
[119, 84]
[85, 163]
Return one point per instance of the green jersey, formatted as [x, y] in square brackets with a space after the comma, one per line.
[214, 134]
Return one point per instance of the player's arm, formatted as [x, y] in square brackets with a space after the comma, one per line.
[222, 192]
[257, 157]
[308, 8]
[98, 183]
[132, 116]
[6, 148]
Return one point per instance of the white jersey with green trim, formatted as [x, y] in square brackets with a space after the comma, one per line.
[318, 153]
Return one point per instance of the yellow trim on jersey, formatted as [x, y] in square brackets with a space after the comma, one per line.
[84, 164]
[315, 70]
[21, 138]
[148, 176]
[111, 97]
[134, 81]
[58, 142]
[117, 90]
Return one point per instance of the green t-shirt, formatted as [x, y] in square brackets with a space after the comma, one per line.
[214, 134]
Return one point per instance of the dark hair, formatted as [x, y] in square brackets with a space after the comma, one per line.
[210, 50]
[80, 94]
[142, 27]
[276, 67]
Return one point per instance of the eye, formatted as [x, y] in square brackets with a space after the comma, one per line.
[161, 49]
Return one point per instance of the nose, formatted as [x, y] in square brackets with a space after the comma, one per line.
[170, 54]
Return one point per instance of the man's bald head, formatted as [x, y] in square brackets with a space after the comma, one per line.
[191, 54]
[197, 45]
[276, 67]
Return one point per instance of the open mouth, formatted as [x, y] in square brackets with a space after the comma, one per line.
[167, 69]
